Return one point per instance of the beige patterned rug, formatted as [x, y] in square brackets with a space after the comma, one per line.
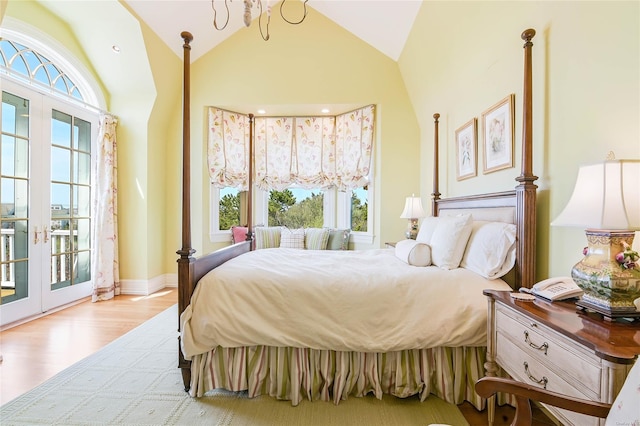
[135, 381]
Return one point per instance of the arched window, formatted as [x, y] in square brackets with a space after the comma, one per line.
[26, 63]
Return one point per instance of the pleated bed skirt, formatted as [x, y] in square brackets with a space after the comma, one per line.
[296, 373]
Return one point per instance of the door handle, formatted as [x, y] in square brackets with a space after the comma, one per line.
[46, 235]
[36, 240]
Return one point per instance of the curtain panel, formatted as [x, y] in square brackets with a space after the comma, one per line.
[310, 152]
[354, 144]
[104, 257]
[228, 149]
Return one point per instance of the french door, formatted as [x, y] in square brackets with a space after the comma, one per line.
[45, 195]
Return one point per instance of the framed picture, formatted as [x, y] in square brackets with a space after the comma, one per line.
[497, 128]
[466, 151]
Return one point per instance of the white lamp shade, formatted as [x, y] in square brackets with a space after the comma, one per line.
[606, 196]
[412, 208]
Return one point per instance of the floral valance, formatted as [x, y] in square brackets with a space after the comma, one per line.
[310, 152]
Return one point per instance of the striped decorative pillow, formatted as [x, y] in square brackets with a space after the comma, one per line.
[267, 237]
[316, 238]
[292, 238]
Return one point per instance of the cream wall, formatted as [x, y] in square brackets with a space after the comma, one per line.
[586, 102]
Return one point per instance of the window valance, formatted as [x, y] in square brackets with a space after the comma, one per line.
[310, 152]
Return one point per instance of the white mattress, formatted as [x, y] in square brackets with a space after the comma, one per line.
[367, 301]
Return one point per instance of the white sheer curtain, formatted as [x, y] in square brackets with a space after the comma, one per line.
[311, 152]
[104, 256]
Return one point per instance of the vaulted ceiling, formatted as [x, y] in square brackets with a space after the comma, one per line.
[384, 24]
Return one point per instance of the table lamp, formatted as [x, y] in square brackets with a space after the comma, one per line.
[412, 211]
[606, 201]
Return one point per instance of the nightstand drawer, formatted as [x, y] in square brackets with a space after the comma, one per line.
[525, 368]
[568, 361]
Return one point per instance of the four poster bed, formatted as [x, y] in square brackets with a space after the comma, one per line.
[382, 326]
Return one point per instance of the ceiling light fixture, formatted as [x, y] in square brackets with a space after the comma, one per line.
[248, 4]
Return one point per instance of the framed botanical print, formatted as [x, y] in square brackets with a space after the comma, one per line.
[466, 150]
[498, 135]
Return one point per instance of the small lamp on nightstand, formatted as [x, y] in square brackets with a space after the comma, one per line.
[606, 201]
[413, 211]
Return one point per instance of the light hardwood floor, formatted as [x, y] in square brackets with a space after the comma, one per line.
[35, 351]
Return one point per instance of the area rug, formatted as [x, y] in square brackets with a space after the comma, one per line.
[135, 381]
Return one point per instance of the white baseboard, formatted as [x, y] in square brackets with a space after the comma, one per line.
[147, 287]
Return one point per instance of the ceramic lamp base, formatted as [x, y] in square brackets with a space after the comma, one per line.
[412, 229]
[608, 288]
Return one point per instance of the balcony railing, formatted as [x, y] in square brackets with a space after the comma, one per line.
[61, 263]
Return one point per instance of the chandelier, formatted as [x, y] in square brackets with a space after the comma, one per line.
[248, 5]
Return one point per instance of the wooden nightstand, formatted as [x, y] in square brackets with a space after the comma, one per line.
[389, 245]
[552, 345]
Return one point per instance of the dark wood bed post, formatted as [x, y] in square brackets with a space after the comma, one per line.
[435, 196]
[186, 260]
[526, 190]
[250, 183]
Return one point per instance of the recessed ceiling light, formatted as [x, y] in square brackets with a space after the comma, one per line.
[261, 111]
[115, 48]
[325, 110]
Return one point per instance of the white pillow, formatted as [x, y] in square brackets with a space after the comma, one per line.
[413, 252]
[292, 238]
[427, 227]
[449, 240]
[491, 251]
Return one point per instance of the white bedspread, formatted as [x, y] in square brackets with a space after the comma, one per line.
[366, 301]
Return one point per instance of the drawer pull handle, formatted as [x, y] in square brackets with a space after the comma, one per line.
[542, 381]
[542, 347]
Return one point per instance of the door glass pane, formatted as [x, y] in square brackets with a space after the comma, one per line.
[8, 155]
[82, 200]
[15, 156]
[60, 129]
[60, 270]
[22, 198]
[14, 260]
[8, 198]
[60, 164]
[82, 234]
[82, 168]
[82, 268]
[82, 136]
[60, 201]
[21, 239]
[15, 115]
